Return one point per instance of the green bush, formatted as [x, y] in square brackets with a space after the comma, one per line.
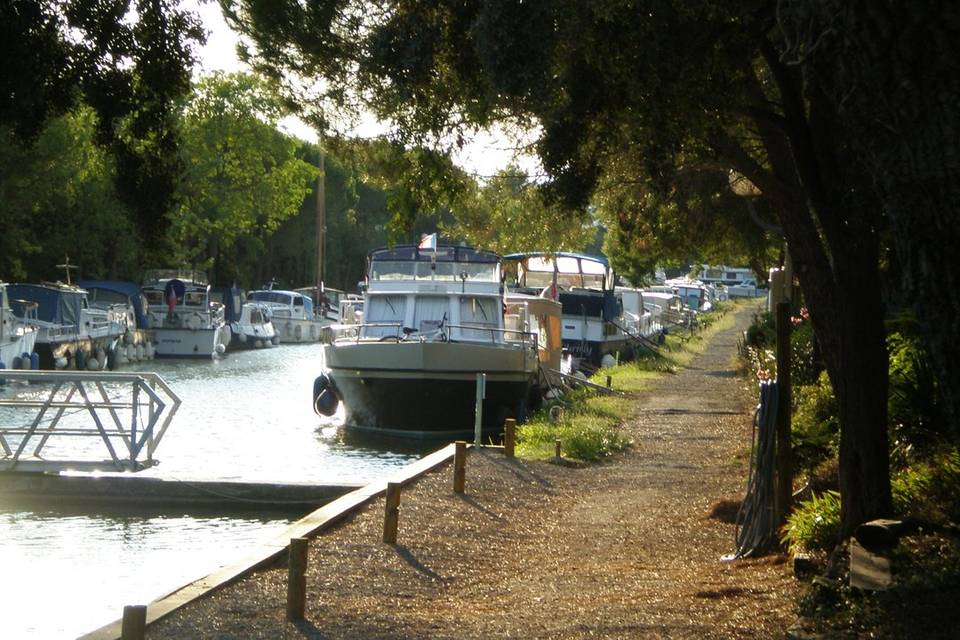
[914, 406]
[815, 426]
[762, 332]
[814, 523]
[929, 490]
[804, 367]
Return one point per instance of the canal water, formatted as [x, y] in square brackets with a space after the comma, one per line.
[247, 416]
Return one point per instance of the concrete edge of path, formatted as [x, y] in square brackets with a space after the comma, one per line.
[306, 527]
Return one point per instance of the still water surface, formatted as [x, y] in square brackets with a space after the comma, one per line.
[65, 571]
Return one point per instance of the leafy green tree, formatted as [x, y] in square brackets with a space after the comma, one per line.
[242, 176]
[509, 213]
[130, 61]
[59, 200]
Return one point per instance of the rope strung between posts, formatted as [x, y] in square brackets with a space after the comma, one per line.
[756, 519]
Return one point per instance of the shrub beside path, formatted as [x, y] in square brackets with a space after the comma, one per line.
[623, 549]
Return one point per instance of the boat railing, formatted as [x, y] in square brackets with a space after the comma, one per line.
[78, 415]
[442, 332]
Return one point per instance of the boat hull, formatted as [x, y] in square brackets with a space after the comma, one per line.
[13, 347]
[429, 390]
[187, 343]
[300, 330]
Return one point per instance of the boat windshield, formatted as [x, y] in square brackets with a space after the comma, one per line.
[446, 263]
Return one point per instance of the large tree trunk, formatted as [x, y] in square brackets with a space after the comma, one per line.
[890, 69]
[835, 248]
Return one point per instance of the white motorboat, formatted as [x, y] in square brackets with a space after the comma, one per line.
[433, 320]
[254, 328]
[186, 322]
[17, 336]
[70, 332]
[293, 314]
[593, 319]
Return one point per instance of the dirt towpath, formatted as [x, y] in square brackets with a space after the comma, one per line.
[624, 549]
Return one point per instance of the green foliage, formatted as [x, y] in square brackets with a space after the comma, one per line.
[58, 199]
[815, 426]
[243, 177]
[509, 214]
[930, 489]
[804, 367]
[762, 332]
[914, 407]
[814, 523]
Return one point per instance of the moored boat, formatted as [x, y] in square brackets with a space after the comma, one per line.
[292, 313]
[433, 320]
[70, 332]
[127, 305]
[186, 322]
[17, 336]
[593, 321]
[253, 329]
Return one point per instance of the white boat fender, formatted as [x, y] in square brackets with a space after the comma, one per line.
[325, 399]
[258, 344]
[313, 332]
[102, 357]
[61, 363]
[128, 337]
[131, 352]
[221, 348]
[140, 352]
[149, 350]
[93, 364]
[275, 340]
[298, 332]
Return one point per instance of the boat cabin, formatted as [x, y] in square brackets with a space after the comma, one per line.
[453, 293]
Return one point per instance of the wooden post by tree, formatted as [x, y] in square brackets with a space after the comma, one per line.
[134, 623]
[784, 490]
[459, 466]
[391, 516]
[557, 451]
[297, 579]
[509, 437]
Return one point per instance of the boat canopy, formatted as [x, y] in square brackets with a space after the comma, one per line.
[57, 304]
[187, 275]
[408, 262]
[573, 270]
[286, 298]
[117, 292]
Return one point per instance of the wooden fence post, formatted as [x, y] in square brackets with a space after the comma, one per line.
[297, 579]
[459, 466]
[134, 624]
[509, 437]
[557, 450]
[609, 381]
[784, 488]
[391, 516]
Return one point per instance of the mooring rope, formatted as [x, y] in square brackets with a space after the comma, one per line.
[756, 523]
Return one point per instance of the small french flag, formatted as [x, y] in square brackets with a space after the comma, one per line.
[428, 242]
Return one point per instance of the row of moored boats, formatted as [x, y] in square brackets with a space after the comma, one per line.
[103, 324]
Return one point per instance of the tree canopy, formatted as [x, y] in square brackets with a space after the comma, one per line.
[638, 95]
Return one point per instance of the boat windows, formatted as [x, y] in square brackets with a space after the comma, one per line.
[385, 316]
[429, 312]
[482, 313]
[193, 299]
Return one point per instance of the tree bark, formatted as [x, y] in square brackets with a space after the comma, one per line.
[836, 255]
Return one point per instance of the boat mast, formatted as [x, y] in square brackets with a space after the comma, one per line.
[321, 222]
[66, 266]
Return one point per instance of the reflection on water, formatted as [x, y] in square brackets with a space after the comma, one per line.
[245, 417]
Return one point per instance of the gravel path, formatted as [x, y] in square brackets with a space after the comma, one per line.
[625, 549]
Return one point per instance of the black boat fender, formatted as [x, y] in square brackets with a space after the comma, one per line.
[325, 400]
